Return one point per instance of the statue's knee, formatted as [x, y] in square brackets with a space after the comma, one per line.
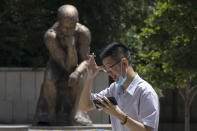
[73, 80]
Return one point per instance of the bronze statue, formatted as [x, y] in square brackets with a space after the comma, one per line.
[68, 43]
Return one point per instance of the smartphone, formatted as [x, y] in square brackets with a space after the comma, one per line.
[111, 99]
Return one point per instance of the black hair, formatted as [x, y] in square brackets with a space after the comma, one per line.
[116, 51]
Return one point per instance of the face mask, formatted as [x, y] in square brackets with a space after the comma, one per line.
[122, 79]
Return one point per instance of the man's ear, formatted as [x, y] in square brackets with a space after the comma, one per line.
[125, 62]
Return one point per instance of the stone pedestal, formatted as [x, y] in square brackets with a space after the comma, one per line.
[94, 127]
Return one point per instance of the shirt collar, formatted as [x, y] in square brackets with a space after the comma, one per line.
[133, 85]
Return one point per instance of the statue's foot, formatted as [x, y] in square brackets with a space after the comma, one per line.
[43, 122]
[82, 118]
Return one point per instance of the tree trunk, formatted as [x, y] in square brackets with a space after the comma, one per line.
[187, 109]
[187, 116]
[188, 94]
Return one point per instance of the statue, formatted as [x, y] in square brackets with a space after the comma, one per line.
[68, 43]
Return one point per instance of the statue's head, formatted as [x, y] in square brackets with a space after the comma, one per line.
[67, 17]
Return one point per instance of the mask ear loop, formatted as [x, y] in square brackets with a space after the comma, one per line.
[121, 70]
[126, 72]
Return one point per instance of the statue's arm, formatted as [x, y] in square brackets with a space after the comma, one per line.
[56, 52]
[84, 48]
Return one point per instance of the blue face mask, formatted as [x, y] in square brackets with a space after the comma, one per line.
[122, 79]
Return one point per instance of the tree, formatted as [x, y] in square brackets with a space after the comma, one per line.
[131, 37]
[169, 48]
[22, 26]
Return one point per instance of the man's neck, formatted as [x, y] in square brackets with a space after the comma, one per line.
[130, 76]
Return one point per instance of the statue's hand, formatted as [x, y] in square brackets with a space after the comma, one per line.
[69, 41]
[73, 78]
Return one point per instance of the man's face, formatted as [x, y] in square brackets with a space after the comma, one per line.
[67, 26]
[112, 67]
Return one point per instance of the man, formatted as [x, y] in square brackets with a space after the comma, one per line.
[138, 104]
[68, 43]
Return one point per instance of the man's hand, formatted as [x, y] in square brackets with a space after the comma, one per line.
[110, 108]
[92, 67]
